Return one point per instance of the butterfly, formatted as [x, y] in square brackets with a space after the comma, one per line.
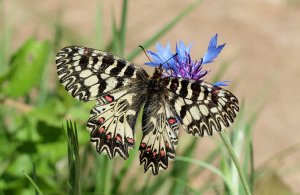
[122, 89]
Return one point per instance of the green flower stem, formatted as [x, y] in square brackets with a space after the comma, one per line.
[236, 161]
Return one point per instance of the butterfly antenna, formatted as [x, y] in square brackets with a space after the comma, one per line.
[168, 63]
[146, 53]
[170, 59]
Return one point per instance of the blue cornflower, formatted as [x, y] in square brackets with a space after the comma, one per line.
[182, 65]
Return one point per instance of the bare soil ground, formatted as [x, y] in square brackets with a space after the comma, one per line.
[263, 45]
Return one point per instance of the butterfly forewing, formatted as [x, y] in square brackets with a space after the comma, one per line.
[201, 107]
[89, 73]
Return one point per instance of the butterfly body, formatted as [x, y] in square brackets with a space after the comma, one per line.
[122, 89]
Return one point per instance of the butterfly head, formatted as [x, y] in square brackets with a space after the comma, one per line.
[158, 72]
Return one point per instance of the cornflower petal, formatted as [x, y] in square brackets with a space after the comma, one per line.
[213, 50]
[221, 83]
[155, 59]
[162, 55]
[182, 51]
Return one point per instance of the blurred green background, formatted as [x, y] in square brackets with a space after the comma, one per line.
[39, 152]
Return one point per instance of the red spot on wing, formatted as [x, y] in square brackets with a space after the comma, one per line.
[101, 120]
[216, 91]
[167, 145]
[162, 152]
[172, 121]
[86, 51]
[149, 149]
[101, 130]
[143, 145]
[118, 138]
[109, 98]
[130, 140]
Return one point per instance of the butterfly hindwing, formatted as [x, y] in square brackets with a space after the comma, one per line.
[89, 73]
[201, 107]
[112, 121]
[160, 130]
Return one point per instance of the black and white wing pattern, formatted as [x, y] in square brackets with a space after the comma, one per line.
[160, 131]
[89, 73]
[119, 88]
[201, 107]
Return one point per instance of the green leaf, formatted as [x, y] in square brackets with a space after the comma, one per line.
[48, 132]
[22, 162]
[50, 113]
[28, 147]
[27, 66]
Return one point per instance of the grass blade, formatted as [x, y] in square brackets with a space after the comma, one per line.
[155, 185]
[100, 168]
[235, 160]
[116, 47]
[218, 75]
[103, 174]
[99, 24]
[73, 158]
[36, 188]
[187, 187]
[34, 176]
[4, 40]
[120, 177]
[209, 159]
[122, 32]
[58, 32]
[108, 176]
[252, 171]
[206, 166]
[180, 170]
